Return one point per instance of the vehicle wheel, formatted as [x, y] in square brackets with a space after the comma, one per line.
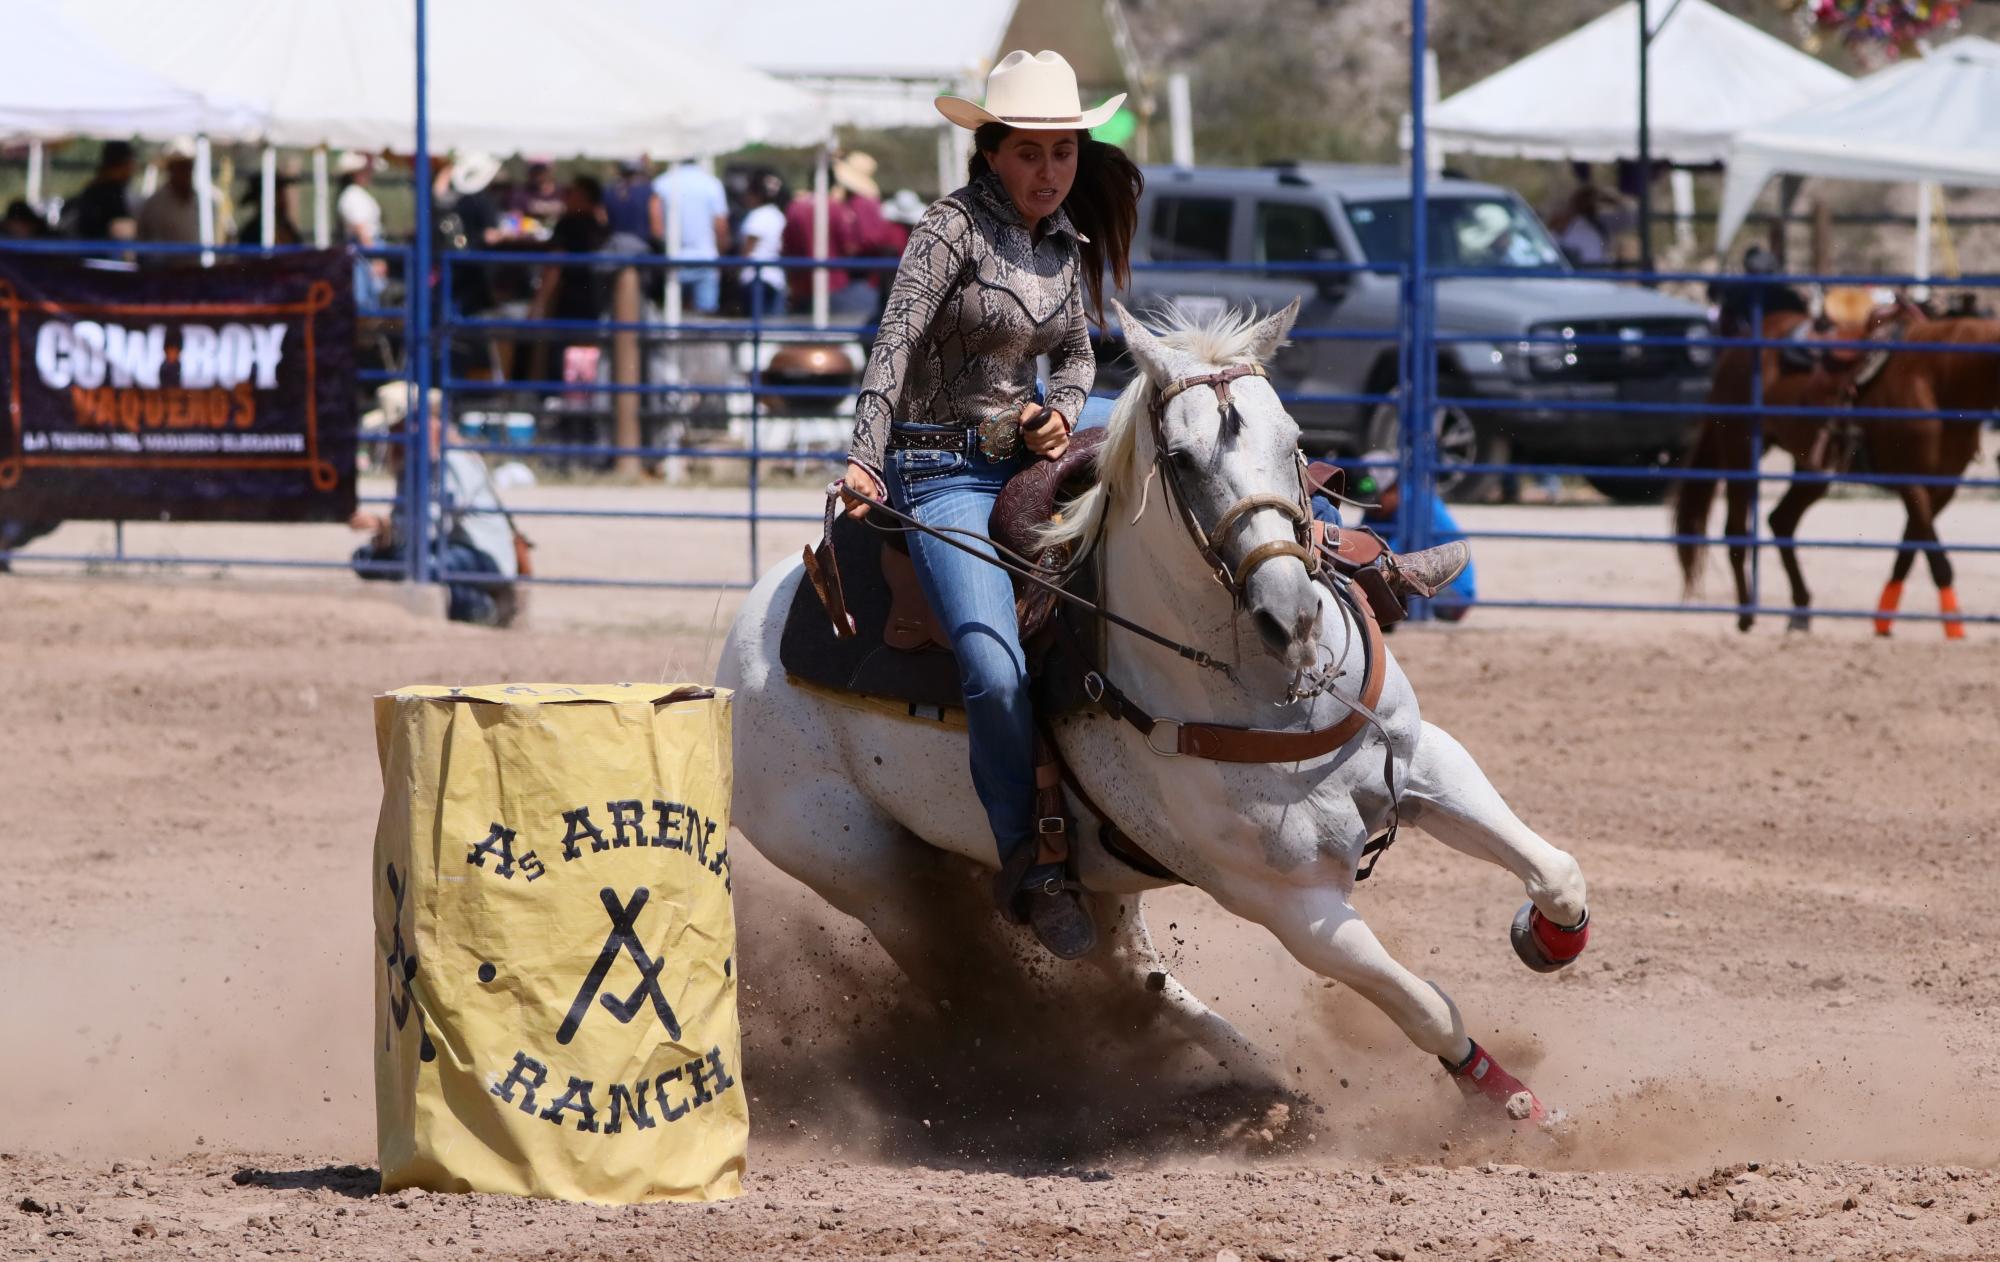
[1459, 441]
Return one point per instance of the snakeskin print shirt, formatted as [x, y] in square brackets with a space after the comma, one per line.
[977, 298]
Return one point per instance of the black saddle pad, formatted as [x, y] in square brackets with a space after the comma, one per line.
[811, 651]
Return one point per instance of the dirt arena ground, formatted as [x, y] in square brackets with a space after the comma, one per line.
[1783, 1042]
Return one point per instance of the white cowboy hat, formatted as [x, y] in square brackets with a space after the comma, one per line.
[855, 172]
[904, 208]
[1033, 92]
[392, 399]
[179, 149]
[353, 162]
[473, 172]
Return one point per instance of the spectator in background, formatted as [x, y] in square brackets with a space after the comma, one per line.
[471, 219]
[251, 230]
[1736, 300]
[842, 241]
[539, 197]
[581, 229]
[874, 237]
[361, 224]
[173, 213]
[102, 210]
[899, 215]
[1373, 479]
[694, 200]
[763, 237]
[633, 208]
[23, 224]
[470, 531]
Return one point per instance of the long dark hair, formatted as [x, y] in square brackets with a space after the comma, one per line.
[1103, 203]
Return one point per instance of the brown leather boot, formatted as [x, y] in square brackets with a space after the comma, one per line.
[1428, 572]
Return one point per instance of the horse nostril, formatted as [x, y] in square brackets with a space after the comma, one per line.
[1271, 629]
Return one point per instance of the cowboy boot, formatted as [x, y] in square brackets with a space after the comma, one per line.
[1428, 572]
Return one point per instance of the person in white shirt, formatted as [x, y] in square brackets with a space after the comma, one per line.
[361, 222]
[470, 531]
[693, 199]
[763, 236]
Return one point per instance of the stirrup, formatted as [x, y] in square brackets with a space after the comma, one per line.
[1428, 572]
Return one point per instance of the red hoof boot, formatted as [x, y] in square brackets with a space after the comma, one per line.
[1544, 945]
[1479, 1077]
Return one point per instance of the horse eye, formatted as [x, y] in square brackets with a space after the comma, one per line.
[1181, 456]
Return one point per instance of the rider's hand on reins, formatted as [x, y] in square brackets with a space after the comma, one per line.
[1045, 430]
[859, 479]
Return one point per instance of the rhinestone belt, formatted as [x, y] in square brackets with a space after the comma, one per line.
[928, 440]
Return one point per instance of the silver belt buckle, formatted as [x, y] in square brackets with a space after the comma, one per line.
[1000, 436]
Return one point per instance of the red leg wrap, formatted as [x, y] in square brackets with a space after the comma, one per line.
[1892, 596]
[1482, 1077]
[1559, 944]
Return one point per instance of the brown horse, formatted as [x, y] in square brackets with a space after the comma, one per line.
[1937, 381]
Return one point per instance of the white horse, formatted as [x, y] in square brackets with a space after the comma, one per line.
[848, 799]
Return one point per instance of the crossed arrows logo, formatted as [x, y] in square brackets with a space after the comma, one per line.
[624, 938]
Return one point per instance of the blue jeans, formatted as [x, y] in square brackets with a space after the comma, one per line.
[974, 603]
[701, 288]
[467, 602]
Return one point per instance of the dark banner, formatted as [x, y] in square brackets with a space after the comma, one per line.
[177, 391]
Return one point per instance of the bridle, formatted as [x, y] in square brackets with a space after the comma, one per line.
[1295, 508]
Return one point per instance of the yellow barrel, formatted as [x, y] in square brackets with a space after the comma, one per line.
[555, 943]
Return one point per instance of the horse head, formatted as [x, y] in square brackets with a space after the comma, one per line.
[1204, 421]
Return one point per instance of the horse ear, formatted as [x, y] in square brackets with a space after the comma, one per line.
[1272, 330]
[1147, 351]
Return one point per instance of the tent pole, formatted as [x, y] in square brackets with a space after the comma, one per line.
[1180, 119]
[820, 208]
[35, 174]
[416, 286]
[322, 211]
[1926, 210]
[1645, 148]
[267, 197]
[204, 198]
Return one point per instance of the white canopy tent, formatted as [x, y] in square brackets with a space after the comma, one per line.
[600, 79]
[1927, 121]
[1709, 77]
[64, 81]
[879, 63]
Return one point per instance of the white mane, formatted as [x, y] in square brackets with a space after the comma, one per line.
[1228, 338]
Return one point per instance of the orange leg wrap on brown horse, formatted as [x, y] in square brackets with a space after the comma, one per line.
[1892, 596]
[1948, 605]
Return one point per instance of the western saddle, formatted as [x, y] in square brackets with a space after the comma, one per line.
[892, 652]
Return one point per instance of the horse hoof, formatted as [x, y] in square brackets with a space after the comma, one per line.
[1799, 622]
[1542, 944]
[1482, 1081]
[1744, 622]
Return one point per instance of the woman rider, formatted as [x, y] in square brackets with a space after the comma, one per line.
[994, 277]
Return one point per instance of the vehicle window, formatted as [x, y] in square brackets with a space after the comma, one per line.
[1292, 232]
[1192, 229]
[1464, 232]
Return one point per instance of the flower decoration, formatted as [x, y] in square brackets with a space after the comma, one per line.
[1875, 30]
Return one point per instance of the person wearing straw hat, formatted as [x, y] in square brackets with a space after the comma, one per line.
[996, 274]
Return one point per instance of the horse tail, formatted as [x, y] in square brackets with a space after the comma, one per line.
[1693, 498]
